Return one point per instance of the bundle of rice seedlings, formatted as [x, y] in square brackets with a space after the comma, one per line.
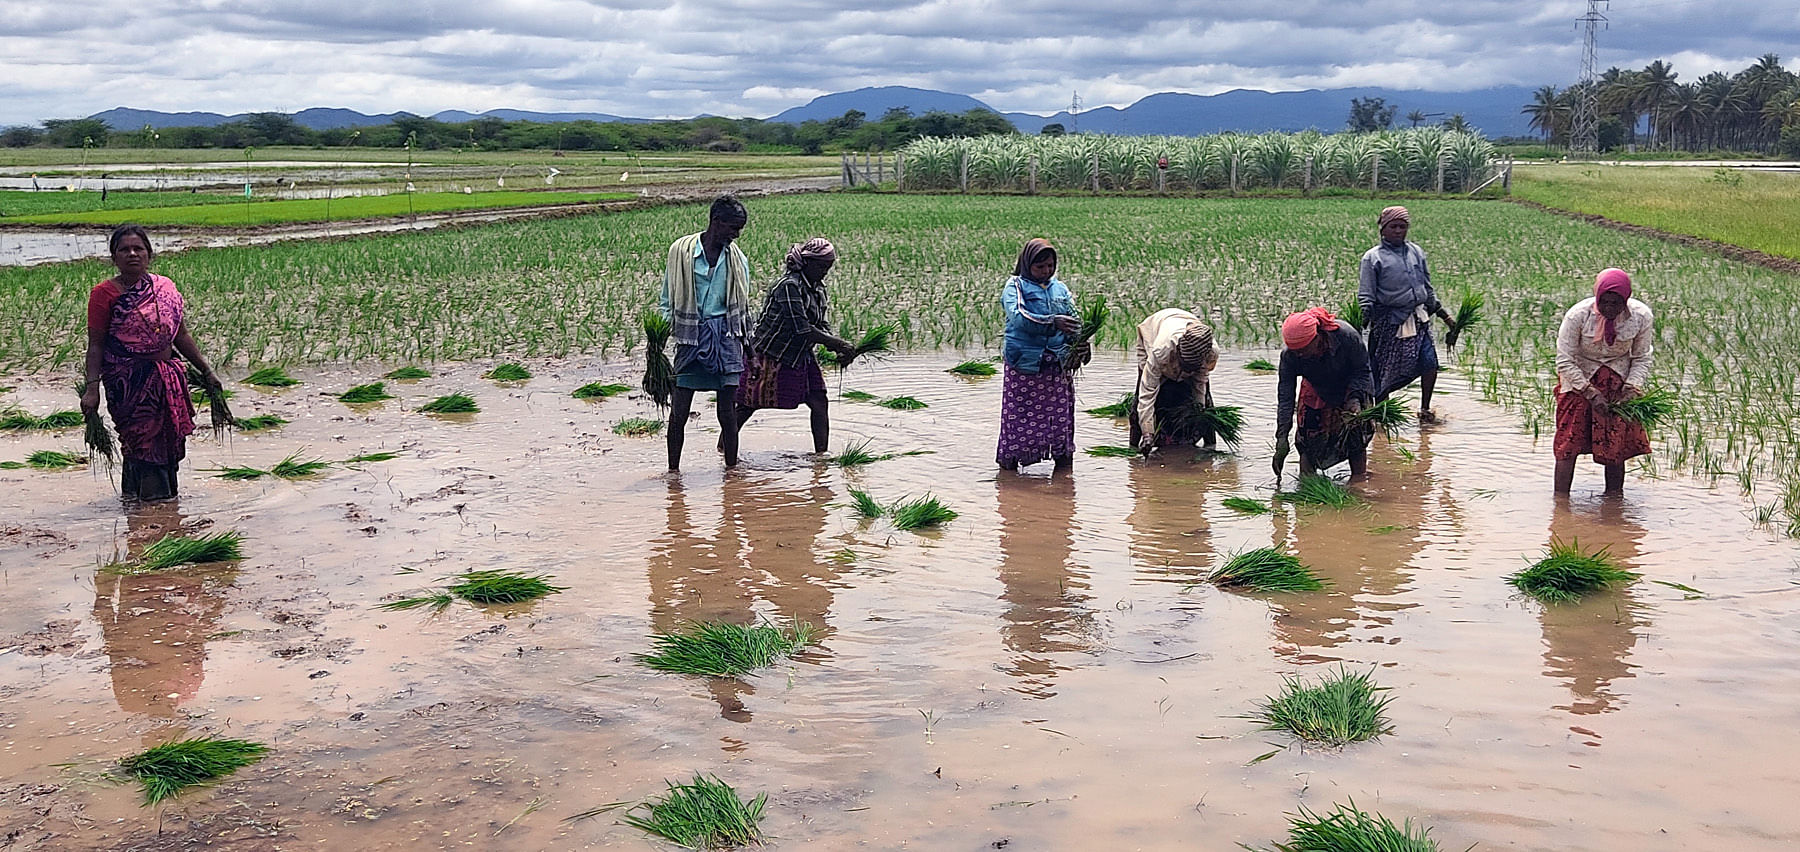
[508, 372]
[902, 403]
[455, 403]
[875, 343]
[1316, 489]
[60, 420]
[1224, 421]
[1567, 573]
[99, 441]
[1266, 569]
[659, 374]
[498, 587]
[172, 550]
[14, 419]
[865, 505]
[1648, 409]
[1347, 829]
[1122, 408]
[1093, 314]
[365, 458]
[703, 814]
[1352, 313]
[1246, 505]
[858, 396]
[920, 513]
[597, 390]
[12, 465]
[293, 467]
[371, 392]
[167, 769]
[637, 427]
[217, 409]
[1467, 316]
[54, 460]
[858, 454]
[974, 368]
[1388, 415]
[1261, 365]
[271, 377]
[1340, 709]
[1106, 452]
[721, 649]
[437, 601]
[261, 422]
[240, 474]
[405, 373]
[826, 358]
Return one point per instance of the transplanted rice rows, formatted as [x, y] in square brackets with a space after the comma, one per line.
[932, 266]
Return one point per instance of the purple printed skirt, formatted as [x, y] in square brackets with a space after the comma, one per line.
[1037, 415]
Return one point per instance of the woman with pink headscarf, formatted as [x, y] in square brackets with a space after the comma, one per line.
[1325, 357]
[1603, 356]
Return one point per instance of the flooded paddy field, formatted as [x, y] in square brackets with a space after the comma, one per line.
[1048, 671]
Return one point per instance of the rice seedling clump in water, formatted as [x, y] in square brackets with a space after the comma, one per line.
[1347, 829]
[455, 403]
[1352, 313]
[54, 460]
[14, 419]
[508, 372]
[404, 373]
[865, 505]
[597, 390]
[920, 513]
[723, 649]
[372, 392]
[974, 369]
[703, 814]
[1122, 408]
[637, 427]
[1226, 422]
[60, 420]
[271, 377]
[1266, 569]
[858, 396]
[240, 474]
[1648, 409]
[173, 550]
[365, 458]
[491, 587]
[167, 769]
[902, 403]
[1107, 452]
[1261, 365]
[261, 422]
[293, 467]
[1388, 415]
[858, 454]
[1567, 573]
[1319, 490]
[1246, 505]
[1340, 709]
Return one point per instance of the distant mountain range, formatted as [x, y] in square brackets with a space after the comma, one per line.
[1496, 111]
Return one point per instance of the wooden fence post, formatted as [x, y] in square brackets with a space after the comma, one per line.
[1234, 167]
[1443, 160]
[1306, 186]
[1031, 188]
[964, 183]
[1506, 182]
[899, 171]
[1094, 171]
[846, 178]
[1375, 176]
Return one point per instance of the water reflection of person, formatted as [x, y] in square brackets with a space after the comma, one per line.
[1170, 540]
[1367, 581]
[155, 627]
[761, 550]
[1047, 614]
[1587, 643]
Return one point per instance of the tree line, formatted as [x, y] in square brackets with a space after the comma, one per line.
[850, 131]
[1756, 109]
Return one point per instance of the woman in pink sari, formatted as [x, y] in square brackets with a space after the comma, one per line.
[135, 333]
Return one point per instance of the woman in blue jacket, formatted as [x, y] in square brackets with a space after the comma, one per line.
[1037, 400]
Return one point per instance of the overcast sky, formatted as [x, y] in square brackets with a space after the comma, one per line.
[655, 59]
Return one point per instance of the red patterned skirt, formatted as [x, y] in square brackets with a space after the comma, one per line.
[1581, 430]
[769, 384]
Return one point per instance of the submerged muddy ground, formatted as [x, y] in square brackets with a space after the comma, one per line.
[1047, 672]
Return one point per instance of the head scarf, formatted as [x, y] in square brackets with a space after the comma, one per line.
[1299, 329]
[1029, 254]
[1611, 280]
[1194, 347]
[815, 248]
[1389, 214]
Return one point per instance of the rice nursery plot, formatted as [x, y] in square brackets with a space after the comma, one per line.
[580, 285]
[166, 770]
[1339, 709]
[725, 649]
[1743, 207]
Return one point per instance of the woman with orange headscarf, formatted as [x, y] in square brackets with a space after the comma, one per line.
[1326, 358]
[1603, 356]
[1037, 396]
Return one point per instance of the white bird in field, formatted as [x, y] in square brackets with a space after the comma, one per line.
[623, 176]
[500, 182]
[551, 177]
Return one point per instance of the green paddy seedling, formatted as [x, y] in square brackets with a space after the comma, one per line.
[371, 392]
[705, 813]
[1339, 709]
[1348, 829]
[1266, 569]
[1567, 573]
[166, 770]
[637, 427]
[271, 377]
[508, 372]
[598, 390]
[724, 649]
[407, 374]
[455, 403]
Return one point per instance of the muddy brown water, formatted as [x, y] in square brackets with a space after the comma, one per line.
[1046, 672]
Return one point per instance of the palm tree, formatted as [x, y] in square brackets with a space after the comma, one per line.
[1657, 88]
[1547, 110]
[1457, 124]
[1618, 96]
[1415, 117]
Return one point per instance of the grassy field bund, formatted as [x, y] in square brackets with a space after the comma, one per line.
[64, 160]
[153, 209]
[933, 265]
[1742, 207]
